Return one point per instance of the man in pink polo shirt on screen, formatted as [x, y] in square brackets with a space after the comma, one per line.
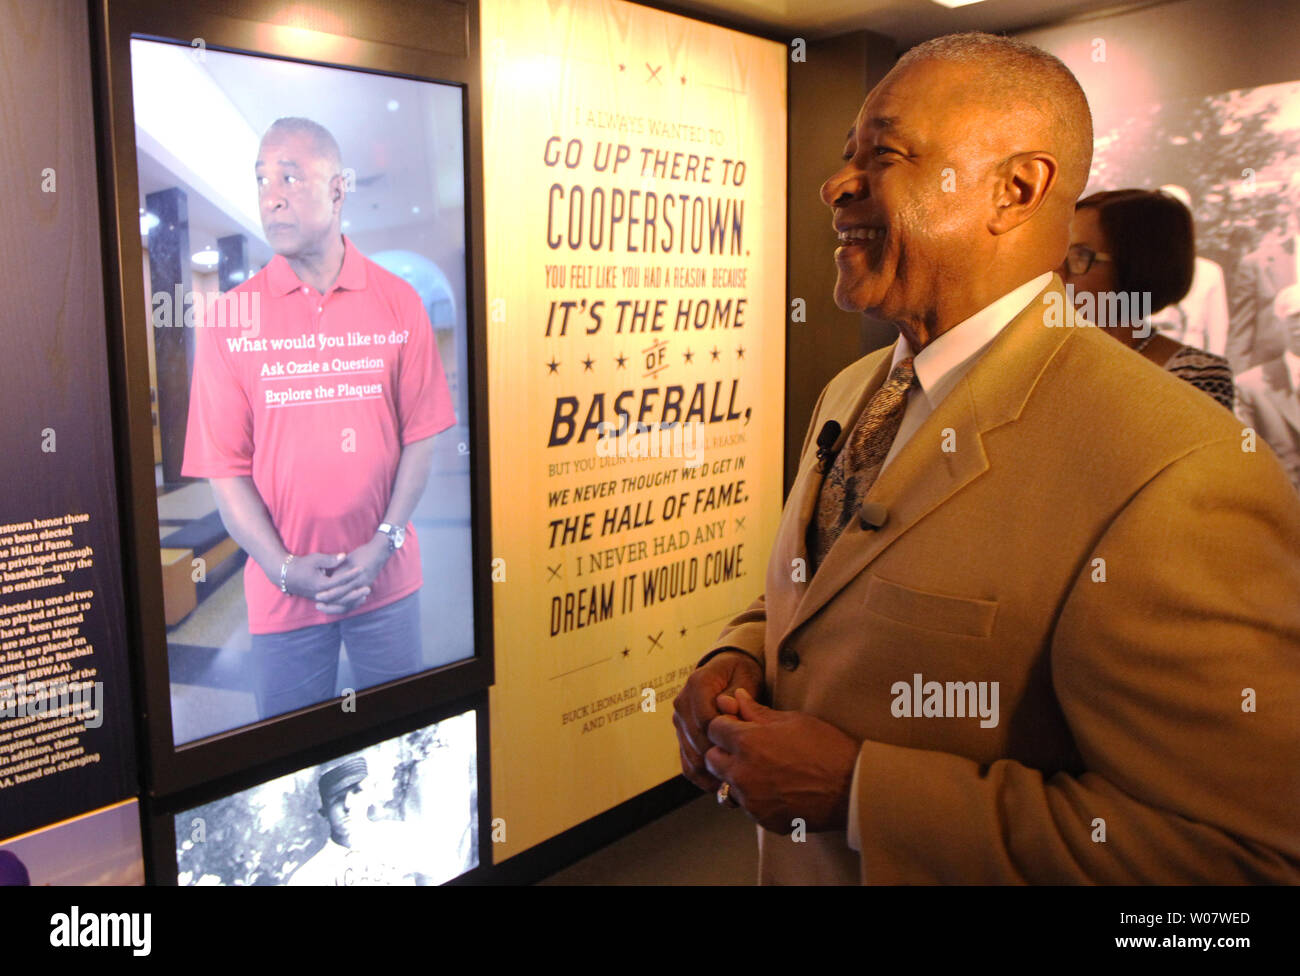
[315, 427]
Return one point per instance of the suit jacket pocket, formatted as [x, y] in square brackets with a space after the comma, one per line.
[930, 611]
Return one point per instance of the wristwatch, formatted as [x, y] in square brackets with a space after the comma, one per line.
[396, 535]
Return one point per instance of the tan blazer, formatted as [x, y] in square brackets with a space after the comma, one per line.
[1097, 544]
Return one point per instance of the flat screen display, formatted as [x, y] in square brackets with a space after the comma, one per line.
[401, 812]
[303, 236]
[101, 847]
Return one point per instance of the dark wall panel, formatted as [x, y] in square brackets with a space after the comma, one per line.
[56, 445]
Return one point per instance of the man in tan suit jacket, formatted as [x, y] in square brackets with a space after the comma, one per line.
[1061, 643]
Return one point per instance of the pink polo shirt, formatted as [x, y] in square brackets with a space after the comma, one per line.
[317, 407]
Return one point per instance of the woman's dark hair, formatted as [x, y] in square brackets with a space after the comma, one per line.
[1152, 242]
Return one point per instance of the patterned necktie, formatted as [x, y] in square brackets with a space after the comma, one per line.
[857, 465]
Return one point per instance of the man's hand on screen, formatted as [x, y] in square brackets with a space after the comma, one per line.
[350, 582]
[308, 574]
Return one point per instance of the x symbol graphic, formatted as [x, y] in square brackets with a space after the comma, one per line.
[654, 73]
[740, 522]
[554, 571]
[654, 641]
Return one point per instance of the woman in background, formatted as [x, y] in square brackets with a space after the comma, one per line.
[1134, 242]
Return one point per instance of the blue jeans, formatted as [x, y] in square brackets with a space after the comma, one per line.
[298, 668]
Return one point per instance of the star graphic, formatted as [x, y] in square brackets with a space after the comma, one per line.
[740, 352]
[683, 631]
[622, 67]
[587, 364]
[553, 366]
[626, 652]
[683, 79]
[714, 353]
[622, 361]
[688, 355]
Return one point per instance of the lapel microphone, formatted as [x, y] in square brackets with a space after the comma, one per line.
[830, 433]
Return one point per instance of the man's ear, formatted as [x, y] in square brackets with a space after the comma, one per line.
[1023, 183]
[338, 190]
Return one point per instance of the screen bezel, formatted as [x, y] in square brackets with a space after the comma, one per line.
[172, 768]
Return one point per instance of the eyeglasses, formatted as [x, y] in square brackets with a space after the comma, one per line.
[1080, 258]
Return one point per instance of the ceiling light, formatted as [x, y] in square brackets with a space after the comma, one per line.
[393, 105]
[956, 3]
[148, 222]
[206, 260]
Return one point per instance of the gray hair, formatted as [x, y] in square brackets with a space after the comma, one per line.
[1026, 79]
[323, 142]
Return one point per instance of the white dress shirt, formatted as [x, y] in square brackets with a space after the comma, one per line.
[939, 367]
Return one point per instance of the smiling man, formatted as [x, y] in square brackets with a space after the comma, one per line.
[317, 437]
[995, 509]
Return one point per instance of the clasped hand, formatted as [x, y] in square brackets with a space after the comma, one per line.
[338, 582]
[781, 765]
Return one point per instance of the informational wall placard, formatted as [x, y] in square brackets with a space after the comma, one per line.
[65, 693]
[66, 708]
[635, 239]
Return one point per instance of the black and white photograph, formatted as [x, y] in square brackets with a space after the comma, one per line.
[1233, 160]
[402, 812]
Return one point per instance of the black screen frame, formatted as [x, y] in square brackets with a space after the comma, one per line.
[172, 769]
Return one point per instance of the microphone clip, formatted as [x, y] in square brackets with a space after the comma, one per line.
[826, 439]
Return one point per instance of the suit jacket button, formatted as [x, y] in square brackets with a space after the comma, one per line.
[788, 658]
